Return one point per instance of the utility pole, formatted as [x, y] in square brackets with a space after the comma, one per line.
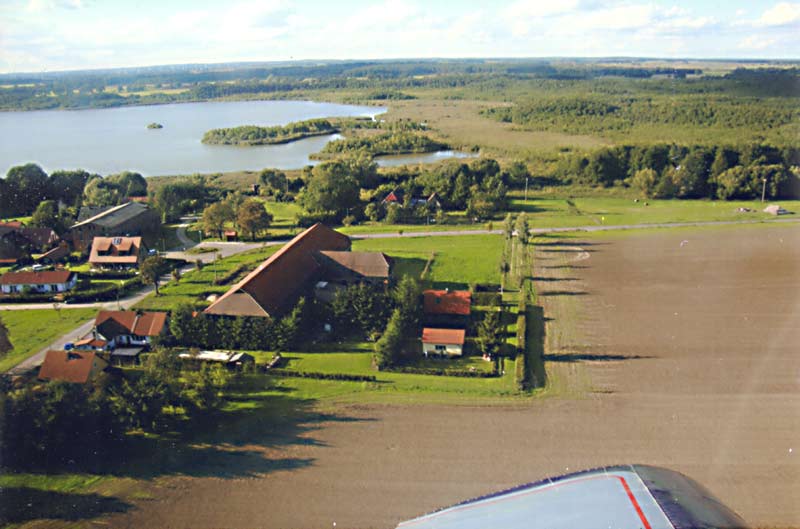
[763, 189]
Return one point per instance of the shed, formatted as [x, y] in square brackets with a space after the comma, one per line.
[443, 342]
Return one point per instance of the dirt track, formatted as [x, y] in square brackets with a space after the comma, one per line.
[684, 355]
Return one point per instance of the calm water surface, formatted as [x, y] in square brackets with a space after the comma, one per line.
[393, 160]
[111, 140]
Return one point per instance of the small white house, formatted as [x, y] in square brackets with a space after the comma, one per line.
[442, 342]
[49, 281]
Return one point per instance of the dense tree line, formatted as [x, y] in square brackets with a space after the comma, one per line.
[359, 311]
[599, 114]
[205, 331]
[27, 186]
[254, 135]
[674, 171]
[400, 142]
[380, 80]
[186, 195]
[54, 424]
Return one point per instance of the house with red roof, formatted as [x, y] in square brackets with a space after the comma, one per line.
[78, 367]
[446, 314]
[123, 328]
[48, 281]
[117, 252]
[442, 342]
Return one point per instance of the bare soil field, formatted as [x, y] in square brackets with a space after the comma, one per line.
[675, 348]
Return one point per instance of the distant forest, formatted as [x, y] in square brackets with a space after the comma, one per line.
[381, 80]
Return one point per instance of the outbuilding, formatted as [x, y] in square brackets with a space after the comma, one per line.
[442, 342]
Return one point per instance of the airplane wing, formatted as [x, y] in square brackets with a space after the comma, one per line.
[619, 497]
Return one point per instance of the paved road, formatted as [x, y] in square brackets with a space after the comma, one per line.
[37, 359]
[226, 249]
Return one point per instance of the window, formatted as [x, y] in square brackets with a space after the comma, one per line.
[441, 347]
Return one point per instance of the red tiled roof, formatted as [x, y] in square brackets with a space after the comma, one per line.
[12, 224]
[48, 277]
[130, 322]
[271, 288]
[92, 342]
[455, 302]
[69, 366]
[443, 336]
[123, 244]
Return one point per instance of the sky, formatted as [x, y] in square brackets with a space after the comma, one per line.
[47, 35]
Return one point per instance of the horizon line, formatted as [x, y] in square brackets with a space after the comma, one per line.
[406, 59]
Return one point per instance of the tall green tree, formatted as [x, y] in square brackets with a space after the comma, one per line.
[5, 339]
[490, 333]
[47, 216]
[331, 190]
[151, 270]
[216, 215]
[99, 192]
[253, 218]
[273, 179]
[645, 181]
[30, 184]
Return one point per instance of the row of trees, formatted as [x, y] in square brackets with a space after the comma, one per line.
[43, 421]
[27, 186]
[675, 171]
[515, 262]
[250, 333]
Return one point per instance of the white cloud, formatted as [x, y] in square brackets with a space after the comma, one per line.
[756, 43]
[781, 14]
[39, 6]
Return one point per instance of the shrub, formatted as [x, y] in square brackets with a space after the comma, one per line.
[445, 372]
[321, 376]
[521, 378]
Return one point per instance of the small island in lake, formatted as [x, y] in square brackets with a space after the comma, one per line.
[155, 125]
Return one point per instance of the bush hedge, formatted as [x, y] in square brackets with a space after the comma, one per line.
[107, 292]
[486, 298]
[107, 274]
[320, 376]
[26, 298]
[444, 372]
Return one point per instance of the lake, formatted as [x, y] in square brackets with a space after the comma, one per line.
[107, 141]
[393, 160]
[112, 140]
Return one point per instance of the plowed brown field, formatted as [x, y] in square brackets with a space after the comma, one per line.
[673, 348]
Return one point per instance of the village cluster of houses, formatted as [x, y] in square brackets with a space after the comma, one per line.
[318, 260]
[110, 236]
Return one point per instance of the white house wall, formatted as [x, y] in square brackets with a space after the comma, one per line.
[451, 350]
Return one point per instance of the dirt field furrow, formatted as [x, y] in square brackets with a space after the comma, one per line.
[660, 351]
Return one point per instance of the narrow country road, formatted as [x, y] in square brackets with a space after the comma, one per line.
[36, 360]
[225, 249]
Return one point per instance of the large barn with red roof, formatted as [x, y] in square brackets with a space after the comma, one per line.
[317, 255]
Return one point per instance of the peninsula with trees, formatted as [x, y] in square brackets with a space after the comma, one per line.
[255, 135]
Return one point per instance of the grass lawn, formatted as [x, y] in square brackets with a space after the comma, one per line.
[354, 359]
[457, 263]
[196, 285]
[546, 211]
[31, 330]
